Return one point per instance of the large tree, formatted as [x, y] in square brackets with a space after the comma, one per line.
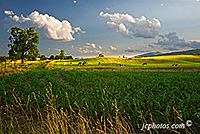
[23, 43]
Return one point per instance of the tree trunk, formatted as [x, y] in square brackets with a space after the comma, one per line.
[22, 57]
[22, 54]
[14, 67]
[5, 65]
[1, 66]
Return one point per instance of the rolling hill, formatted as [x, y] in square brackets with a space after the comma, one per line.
[188, 52]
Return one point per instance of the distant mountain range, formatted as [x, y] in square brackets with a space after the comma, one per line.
[188, 52]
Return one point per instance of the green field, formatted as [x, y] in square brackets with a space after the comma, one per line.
[186, 63]
[98, 102]
[52, 96]
[163, 63]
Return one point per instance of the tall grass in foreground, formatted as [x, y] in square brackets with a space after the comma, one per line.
[20, 118]
[98, 102]
[52, 120]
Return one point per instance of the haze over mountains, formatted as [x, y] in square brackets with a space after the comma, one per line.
[187, 52]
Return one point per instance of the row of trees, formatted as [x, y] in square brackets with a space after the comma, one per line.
[41, 57]
[62, 56]
[23, 45]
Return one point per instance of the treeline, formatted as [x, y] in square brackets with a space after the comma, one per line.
[61, 56]
[40, 57]
[57, 57]
[3, 58]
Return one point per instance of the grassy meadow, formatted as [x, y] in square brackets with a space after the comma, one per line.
[50, 97]
[163, 63]
[186, 63]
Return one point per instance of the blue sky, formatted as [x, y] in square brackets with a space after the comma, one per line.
[85, 28]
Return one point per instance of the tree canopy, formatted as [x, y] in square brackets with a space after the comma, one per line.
[62, 54]
[23, 43]
[52, 57]
[101, 55]
[43, 57]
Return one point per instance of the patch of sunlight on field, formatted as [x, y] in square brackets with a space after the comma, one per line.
[28, 62]
[172, 57]
[190, 62]
[91, 61]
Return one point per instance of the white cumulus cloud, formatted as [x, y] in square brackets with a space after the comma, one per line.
[48, 26]
[91, 44]
[78, 29]
[129, 26]
[113, 48]
[57, 49]
[120, 28]
[107, 8]
[85, 51]
[118, 18]
[172, 41]
[9, 12]
[98, 51]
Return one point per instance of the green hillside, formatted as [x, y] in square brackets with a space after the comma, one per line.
[163, 62]
[187, 52]
[190, 63]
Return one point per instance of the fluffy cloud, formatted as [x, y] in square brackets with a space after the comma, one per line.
[113, 48]
[107, 8]
[84, 50]
[129, 26]
[120, 28]
[98, 51]
[78, 29]
[91, 44]
[57, 49]
[87, 51]
[171, 41]
[9, 12]
[118, 18]
[90, 48]
[48, 26]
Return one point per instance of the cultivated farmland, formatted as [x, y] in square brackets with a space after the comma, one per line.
[98, 102]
